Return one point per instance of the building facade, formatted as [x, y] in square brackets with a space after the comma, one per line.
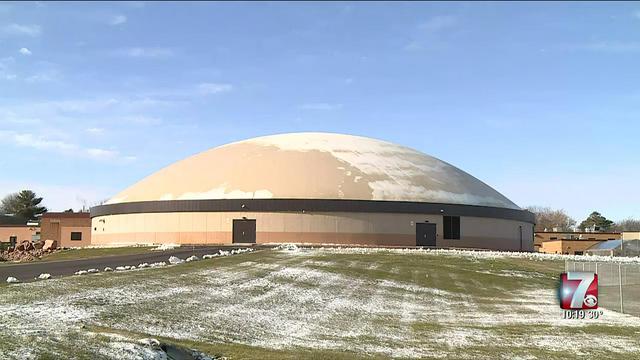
[570, 242]
[15, 234]
[631, 235]
[313, 188]
[68, 229]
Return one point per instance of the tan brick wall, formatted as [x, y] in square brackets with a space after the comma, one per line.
[567, 246]
[58, 226]
[631, 235]
[334, 228]
[21, 232]
[544, 236]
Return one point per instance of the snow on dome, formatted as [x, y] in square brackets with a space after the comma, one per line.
[314, 166]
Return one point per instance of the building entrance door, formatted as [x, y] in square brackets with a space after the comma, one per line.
[244, 231]
[425, 234]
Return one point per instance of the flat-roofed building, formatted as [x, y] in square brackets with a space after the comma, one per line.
[14, 230]
[570, 242]
[570, 247]
[15, 234]
[67, 228]
[630, 235]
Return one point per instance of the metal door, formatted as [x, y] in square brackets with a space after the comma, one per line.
[425, 234]
[244, 231]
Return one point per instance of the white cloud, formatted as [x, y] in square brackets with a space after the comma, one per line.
[413, 46]
[429, 28]
[144, 52]
[117, 20]
[95, 130]
[101, 153]
[109, 155]
[4, 66]
[5, 61]
[320, 106]
[17, 29]
[213, 88]
[613, 46]
[438, 23]
[24, 51]
[43, 77]
[142, 119]
[41, 143]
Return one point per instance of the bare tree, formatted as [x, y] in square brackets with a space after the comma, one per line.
[548, 219]
[629, 224]
[87, 205]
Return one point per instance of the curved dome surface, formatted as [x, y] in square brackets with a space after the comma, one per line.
[314, 166]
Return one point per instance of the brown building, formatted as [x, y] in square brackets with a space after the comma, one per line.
[568, 242]
[313, 188]
[68, 229]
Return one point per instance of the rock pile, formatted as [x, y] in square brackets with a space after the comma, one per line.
[28, 251]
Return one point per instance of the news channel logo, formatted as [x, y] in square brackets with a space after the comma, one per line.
[578, 295]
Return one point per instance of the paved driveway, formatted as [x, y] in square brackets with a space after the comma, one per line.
[28, 271]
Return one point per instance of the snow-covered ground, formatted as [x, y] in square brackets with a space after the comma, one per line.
[479, 254]
[380, 302]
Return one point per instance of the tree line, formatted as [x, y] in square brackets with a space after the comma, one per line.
[26, 205]
[549, 219]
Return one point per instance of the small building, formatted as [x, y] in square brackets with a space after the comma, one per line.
[570, 242]
[15, 234]
[630, 235]
[14, 230]
[570, 247]
[67, 228]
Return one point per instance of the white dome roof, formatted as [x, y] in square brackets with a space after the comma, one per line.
[314, 166]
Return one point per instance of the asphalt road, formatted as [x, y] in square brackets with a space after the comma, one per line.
[26, 272]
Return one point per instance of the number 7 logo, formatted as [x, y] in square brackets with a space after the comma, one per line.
[579, 290]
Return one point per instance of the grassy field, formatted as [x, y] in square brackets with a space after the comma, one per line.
[312, 304]
[84, 253]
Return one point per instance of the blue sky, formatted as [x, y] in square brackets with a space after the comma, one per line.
[539, 100]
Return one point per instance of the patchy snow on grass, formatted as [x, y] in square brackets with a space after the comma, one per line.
[304, 299]
[512, 273]
[478, 254]
[163, 247]
[113, 246]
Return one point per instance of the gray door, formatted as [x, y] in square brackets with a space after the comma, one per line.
[244, 231]
[425, 234]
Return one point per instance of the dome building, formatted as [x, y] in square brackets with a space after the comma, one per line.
[313, 188]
